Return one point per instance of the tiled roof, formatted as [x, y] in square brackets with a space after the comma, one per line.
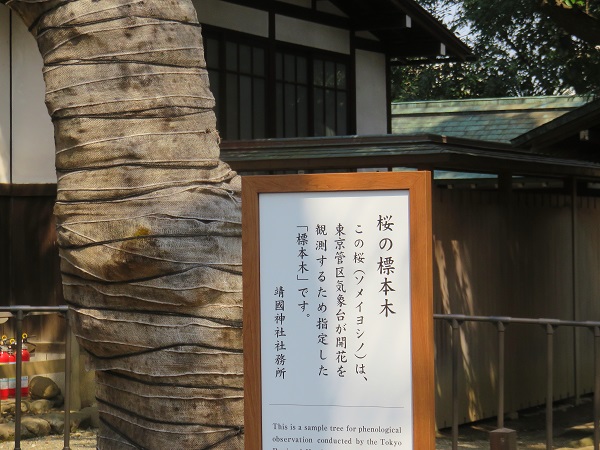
[496, 119]
[423, 151]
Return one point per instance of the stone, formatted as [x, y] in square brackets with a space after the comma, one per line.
[25, 404]
[43, 388]
[41, 406]
[59, 401]
[7, 432]
[34, 426]
[10, 407]
[81, 419]
[44, 424]
[92, 418]
[56, 421]
[7, 406]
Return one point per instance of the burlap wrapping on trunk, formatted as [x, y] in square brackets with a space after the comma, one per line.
[148, 219]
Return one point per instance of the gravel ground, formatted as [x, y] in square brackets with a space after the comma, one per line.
[573, 428]
[79, 440]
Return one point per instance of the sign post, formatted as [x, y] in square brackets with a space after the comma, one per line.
[338, 319]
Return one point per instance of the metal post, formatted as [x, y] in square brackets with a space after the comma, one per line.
[596, 388]
[67, 429]
[501, 330]
[550, 385]
[574, 274]
[19, 372]
[456, 353]
[502, 438]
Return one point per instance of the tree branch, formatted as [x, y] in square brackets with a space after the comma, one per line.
[574, 21]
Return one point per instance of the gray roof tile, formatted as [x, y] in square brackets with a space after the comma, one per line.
[497, 119]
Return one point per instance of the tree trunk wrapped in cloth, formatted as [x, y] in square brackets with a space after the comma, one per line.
[149, 224]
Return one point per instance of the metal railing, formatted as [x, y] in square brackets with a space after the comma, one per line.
[550, 325]
[19, 313]
[455, 321]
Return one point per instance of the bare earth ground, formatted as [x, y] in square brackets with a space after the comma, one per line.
[573, 428]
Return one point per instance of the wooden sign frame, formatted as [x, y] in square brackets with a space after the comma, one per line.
[418, 186]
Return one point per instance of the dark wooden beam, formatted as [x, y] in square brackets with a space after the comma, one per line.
[411, 48]
[394, 21]
[591, 136]
[369, 45]
[297, 12]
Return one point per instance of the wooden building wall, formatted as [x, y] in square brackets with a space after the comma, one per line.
[29, 262]
[513, 255]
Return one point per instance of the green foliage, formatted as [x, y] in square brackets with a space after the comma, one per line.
[521, 52]
[572, 3]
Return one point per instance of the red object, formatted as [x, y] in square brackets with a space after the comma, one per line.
[12, 382]
[3, 381]
[24, 378]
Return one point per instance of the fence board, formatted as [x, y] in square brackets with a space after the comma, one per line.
[513, 256]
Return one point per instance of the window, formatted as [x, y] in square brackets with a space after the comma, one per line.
[311, 96]
[237, 75]
[330, 98]
[291, 95]
[303, 93]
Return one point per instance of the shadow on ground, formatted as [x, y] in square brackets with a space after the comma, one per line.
[573, 428]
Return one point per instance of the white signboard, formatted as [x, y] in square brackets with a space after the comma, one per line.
[335, 306]
[335, 292]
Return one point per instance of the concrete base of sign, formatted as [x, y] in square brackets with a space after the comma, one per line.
[503, 439]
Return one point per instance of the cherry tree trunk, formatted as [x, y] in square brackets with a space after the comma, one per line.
[149, 225]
